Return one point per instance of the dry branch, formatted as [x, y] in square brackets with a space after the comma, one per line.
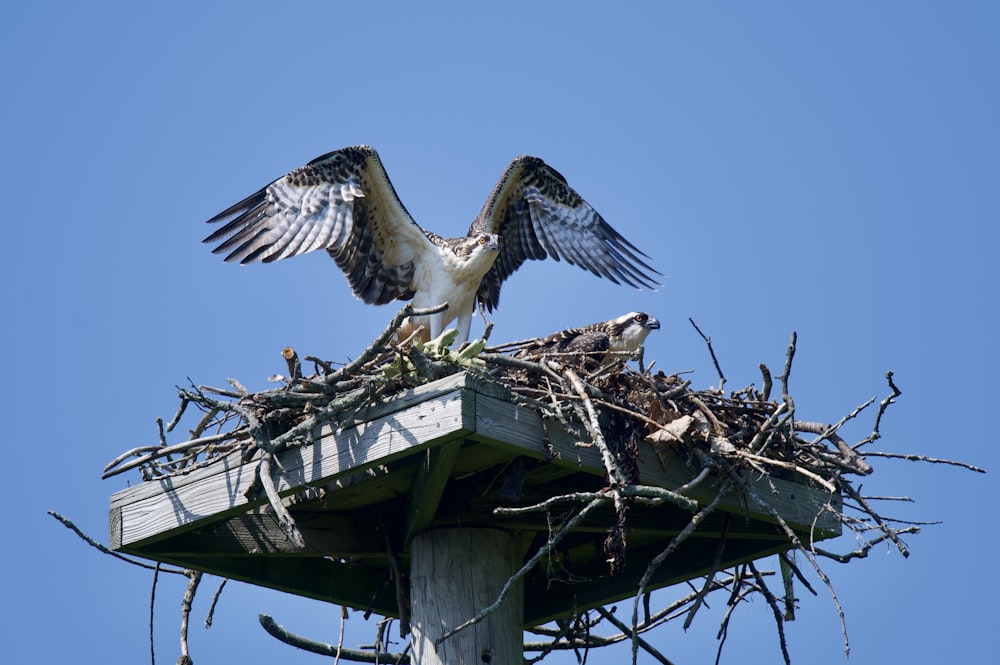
[194, 579]
[334, 651]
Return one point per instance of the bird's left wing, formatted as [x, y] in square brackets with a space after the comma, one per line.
[313, 208]
[342, 202]
[537, 214]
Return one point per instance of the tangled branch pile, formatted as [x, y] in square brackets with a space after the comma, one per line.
[613, 407]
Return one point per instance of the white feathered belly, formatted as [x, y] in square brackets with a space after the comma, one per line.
[448, 279]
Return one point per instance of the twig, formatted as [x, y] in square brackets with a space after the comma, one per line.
[156, 452]
[285, 519]
[340, 636]
[785, 394]
[717, 426]
[829, 432]
[739, 594]
[203, 424]
[773, 604]
[922, 458]
[152, 604]
[765, 390]
[320, 364]
[294, 366]
[697, 480]
[401, 580]
[550, 503]
[788, 582]
[675, 542]
[822, 482]
[322, 648]
[376, 347]
[767, 429]
[215, 599]
[594, 425]
[177, 416]
[862, 551]
[798, 573]
[66, 522]
[194, 579]
[710, 578]
[715, 361]
[854, 494]
[876, 432]
[519, 363]
[797, 543]
[646, 646]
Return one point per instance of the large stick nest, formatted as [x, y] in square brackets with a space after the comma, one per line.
[618, 406]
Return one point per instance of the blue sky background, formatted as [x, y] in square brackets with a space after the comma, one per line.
[830, 169]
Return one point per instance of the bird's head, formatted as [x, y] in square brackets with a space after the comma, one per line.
[484, 242]
[631, 330]
[475, 247]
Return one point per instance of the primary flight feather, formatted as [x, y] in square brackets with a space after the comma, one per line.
[343, 202]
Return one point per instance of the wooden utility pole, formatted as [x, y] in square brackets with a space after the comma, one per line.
[454, 575]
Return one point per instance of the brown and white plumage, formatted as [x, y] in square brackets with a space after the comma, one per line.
[599, 343]
[344, 202]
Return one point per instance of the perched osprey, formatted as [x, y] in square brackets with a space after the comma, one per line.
[344, 203]
[623, 335]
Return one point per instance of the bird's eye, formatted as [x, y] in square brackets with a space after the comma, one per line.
[640, 318]
[483, 240]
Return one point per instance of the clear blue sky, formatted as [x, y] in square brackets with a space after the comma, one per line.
[831, 170]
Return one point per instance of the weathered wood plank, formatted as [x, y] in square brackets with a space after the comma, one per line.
[156, 509]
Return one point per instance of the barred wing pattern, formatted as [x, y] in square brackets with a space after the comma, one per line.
[537, 215]
[343, 202]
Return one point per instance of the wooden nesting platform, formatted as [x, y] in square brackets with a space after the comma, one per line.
[444, 454]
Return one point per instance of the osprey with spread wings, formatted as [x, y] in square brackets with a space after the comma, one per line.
[344, 203]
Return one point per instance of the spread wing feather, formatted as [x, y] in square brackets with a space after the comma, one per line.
[537, 214]
[343, 202]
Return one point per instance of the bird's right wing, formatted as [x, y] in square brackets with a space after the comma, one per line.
[343, 202]
[537, 214]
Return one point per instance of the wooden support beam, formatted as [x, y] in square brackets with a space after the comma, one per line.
[428, 486]
[454, 575]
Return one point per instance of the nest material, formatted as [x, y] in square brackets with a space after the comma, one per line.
[745, 426]
[612, 405]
